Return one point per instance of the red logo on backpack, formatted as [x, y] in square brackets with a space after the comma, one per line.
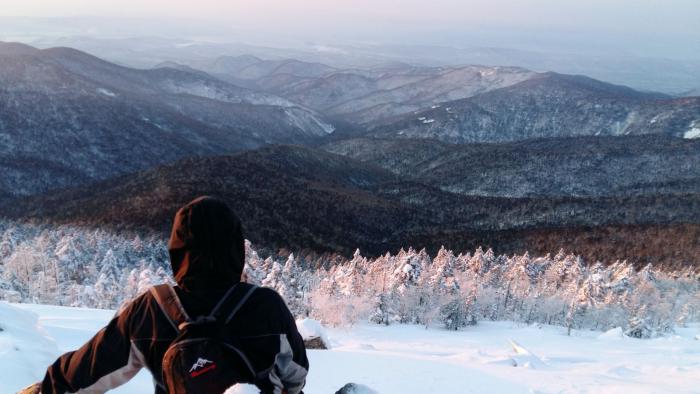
[201, 366]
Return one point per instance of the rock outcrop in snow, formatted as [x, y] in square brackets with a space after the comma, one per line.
[313, 333]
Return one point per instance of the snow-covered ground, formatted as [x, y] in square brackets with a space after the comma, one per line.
[492, 357]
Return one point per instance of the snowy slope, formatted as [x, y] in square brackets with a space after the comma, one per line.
[411, 359]
[25, 348]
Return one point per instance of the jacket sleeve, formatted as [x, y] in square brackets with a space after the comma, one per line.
[291, 364]
[106, 361]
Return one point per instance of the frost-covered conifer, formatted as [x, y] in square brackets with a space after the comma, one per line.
[96, 268]
[381, 311]
[638, 327]
[454, 314]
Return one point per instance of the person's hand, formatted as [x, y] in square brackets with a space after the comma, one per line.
[33, 389]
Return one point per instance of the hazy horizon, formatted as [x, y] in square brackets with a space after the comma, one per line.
[640, 28]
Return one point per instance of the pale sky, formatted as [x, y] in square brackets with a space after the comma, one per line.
[677, 16]
[670, 22]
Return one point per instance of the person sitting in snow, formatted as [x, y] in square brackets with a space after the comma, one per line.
[207, 255]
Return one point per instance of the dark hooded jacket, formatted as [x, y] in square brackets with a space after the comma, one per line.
[207, 253]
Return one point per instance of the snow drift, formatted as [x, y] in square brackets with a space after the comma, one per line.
[25, 348]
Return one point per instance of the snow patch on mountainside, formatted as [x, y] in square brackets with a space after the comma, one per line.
[624, 128]
[304, 119]
[202, 90]
[216, 92]
[694, 132]
[308, 122]
[106, 92]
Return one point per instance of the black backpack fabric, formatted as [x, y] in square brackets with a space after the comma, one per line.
[204, 358]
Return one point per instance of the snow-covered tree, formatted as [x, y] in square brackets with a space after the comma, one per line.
[69, 265]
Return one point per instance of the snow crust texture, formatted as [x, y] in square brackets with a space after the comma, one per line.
[25, 348]
[411, 359]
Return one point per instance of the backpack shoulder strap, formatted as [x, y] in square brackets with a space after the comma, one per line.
[232, 301]
[170, 305]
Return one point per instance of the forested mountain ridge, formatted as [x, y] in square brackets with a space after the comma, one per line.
[548, 105]
[69, 118]
[588, 166]
[304, 198]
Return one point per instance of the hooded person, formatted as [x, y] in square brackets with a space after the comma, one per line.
[207, 254]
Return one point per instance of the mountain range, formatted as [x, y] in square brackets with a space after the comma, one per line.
[590, 166]
[548, 105]
[68, 117]
[464, 104]
[650, 71]
[327, 158]
[364, 95]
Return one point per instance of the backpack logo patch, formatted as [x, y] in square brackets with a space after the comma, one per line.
[201, 366]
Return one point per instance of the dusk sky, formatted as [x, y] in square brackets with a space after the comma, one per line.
[671, 25]
[677, 16]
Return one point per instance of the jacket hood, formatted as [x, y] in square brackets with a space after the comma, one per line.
[206, 247]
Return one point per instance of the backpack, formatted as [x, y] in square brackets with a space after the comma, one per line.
[204, 358]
